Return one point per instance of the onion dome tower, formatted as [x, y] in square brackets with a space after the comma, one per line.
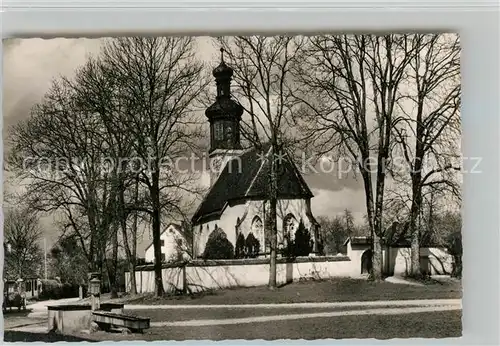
[224, 116]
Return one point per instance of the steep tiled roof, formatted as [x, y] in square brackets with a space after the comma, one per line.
[251, 182]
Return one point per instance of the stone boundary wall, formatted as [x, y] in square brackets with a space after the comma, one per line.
[200, 275]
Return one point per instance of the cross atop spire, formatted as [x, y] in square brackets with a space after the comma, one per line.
[222, 71]
[222, 54]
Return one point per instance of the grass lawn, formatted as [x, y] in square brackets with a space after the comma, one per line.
[311, 291]
[440, 324]
[17, 336]
[418, 325]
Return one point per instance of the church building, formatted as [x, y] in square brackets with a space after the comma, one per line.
[237, 200]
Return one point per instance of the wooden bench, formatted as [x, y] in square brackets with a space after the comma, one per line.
[107, 320]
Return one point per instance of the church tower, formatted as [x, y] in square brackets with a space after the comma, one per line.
[224, 116]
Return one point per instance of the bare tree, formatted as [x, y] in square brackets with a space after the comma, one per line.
[351, 87]
[264, 85]
[22, 234]
[56, 153]
[159, 82]
[335, 231]
[430, 114]
[98, 92]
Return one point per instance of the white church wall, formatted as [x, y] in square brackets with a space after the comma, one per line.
[246, 213]
[227, 222]
[237, 273]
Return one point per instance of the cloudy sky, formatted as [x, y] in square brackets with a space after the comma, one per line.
[29, 66]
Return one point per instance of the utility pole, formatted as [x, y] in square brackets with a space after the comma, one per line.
[45, 255]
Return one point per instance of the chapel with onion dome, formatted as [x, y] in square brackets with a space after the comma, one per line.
[236, 201]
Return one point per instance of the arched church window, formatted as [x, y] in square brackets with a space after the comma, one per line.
[289, 226]
[257, 229]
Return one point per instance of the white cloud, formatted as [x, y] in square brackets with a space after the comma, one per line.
[331, 203]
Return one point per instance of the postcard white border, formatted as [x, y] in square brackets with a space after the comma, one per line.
[476, 21]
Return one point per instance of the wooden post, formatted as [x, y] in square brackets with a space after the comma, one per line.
[141, 282]
[184, 279]
[80, 292]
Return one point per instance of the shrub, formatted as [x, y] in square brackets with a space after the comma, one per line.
[218, 247]
[321, 248]
[303, 244]
[289, 249]
[53, 289]
[252, 246]
[239, 251]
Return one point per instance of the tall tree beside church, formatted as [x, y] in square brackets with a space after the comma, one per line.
[431, 115]
[97, 91]
[160, 80]
[351, 85]
[262, 74]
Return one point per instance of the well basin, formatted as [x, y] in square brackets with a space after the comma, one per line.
[75, 317]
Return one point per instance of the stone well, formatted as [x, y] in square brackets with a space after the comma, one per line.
[75, 317]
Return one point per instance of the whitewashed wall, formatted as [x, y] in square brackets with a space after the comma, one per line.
[171, 238]
[397, 260]
[441, 262]
[201, 277]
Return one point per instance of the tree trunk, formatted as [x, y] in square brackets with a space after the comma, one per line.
[133, 282]
[130, 253]
[273, 243]
[378, 231]
[155, 197]
[376, 274]
[416, 205]
[376, 259]
[273, 204]
[373, 223]
[457, 270]
[114, 262]
[133, 261]
[415, 234]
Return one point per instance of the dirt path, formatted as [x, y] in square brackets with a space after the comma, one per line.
[386, 303]
[385, 311]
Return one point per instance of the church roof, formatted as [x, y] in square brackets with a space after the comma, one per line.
[247, 177]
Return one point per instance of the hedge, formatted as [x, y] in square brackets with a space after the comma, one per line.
[53, 289]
